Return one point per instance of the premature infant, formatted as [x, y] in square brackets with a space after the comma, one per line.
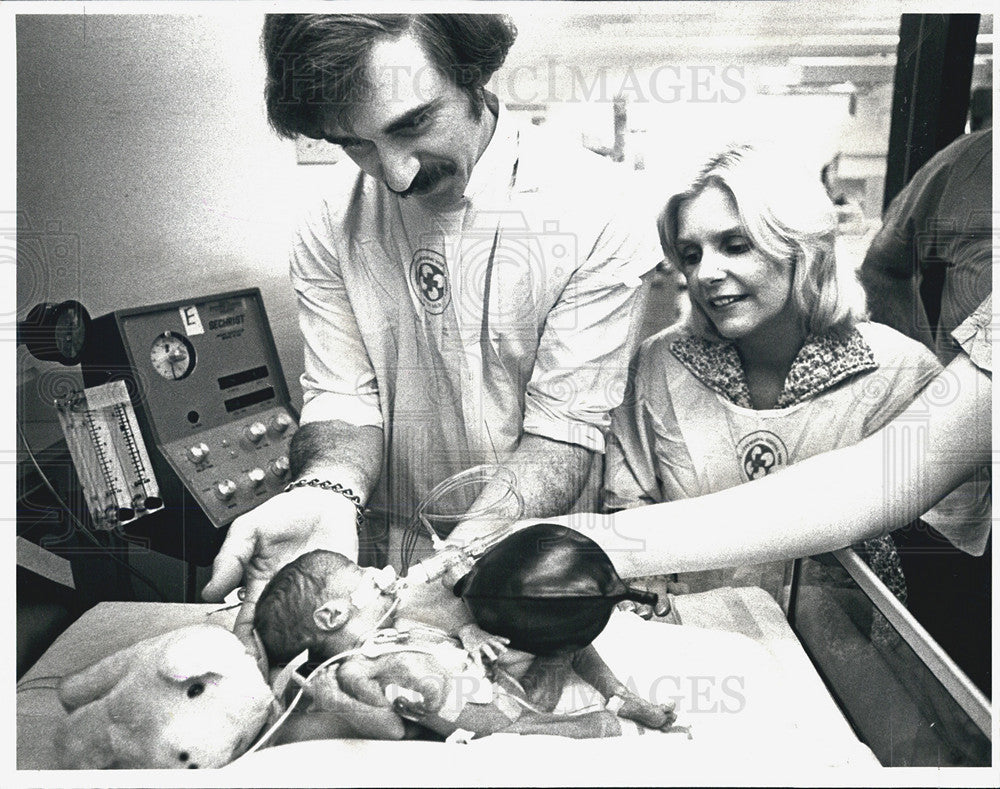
[465, 679]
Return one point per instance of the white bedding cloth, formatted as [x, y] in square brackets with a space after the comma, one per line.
[749, 694]
[749, 715]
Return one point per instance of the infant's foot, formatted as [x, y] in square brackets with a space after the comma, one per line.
[635, 708]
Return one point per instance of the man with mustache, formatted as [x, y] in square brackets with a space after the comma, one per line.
[469, 291]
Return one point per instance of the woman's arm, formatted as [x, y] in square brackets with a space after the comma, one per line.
[823, 503]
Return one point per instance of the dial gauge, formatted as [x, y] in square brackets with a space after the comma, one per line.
[71, 329]
[55, 332]
[172, 356]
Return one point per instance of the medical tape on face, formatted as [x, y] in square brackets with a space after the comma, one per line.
[385, 578]
[362, 597]
[381, 583]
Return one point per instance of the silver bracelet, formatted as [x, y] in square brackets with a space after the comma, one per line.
[336, 487]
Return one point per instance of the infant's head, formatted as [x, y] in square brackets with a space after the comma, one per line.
[306, 605]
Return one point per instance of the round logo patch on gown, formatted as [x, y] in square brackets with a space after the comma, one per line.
[760, 453]
[429, 278]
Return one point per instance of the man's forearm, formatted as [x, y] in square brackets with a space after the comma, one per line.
[550, 474]
[550, 477]
[338, 452]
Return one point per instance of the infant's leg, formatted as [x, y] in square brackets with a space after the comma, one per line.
[588, 725]
[589, 665]
[545, 679]
[483, 719]
[480, 719]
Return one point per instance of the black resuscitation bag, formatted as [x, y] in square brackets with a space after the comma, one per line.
[547, 588]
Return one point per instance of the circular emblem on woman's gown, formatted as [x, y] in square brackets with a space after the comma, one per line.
[429, 277]
[760, 453]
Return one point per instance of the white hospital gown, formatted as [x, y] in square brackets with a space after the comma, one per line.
[413, 325]
[687, 427]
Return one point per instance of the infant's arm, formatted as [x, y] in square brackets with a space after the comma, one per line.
[480, 644]
[432, 605]
[332, 713]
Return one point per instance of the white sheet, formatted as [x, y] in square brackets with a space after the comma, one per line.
[750, 695]
[748, 715]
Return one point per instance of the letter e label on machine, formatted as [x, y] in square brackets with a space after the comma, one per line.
[209, 394]
[191, 320]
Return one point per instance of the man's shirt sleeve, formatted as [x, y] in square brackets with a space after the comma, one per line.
[975, 336]
[339, 381]
[590, 334]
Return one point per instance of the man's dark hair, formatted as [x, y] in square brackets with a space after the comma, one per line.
[283, 617]
[316, 63]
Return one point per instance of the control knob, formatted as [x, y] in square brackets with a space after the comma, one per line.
[225, 489]
[280, 423]
[279, 467]
[255, 431]
[198, 453]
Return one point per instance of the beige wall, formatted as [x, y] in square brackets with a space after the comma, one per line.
[143, 140]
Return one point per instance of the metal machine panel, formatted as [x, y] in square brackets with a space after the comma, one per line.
[210, 396]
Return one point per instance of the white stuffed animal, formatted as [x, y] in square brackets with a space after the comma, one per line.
[190, 698]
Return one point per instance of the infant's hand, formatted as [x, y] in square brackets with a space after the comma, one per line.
[332, 713]
[327, 694]
[482, 645]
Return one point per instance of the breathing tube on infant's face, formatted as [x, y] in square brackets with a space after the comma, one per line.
[446, 506]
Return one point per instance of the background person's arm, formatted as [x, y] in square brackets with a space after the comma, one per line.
[891, 278]
[892, 268]
[820, 504]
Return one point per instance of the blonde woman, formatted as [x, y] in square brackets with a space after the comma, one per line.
[774, 362]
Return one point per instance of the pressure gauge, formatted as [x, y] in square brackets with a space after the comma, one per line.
[55, 332]
[172, 356]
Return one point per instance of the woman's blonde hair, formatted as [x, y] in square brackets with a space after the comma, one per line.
[789, 217]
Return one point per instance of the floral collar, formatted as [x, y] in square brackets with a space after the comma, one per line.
[823, 362]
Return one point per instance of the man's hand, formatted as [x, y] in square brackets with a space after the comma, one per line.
[268, 537]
